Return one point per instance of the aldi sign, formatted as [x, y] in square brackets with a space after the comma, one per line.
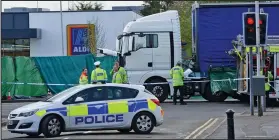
[78, 38]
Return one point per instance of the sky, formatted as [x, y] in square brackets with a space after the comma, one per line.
[55, 5]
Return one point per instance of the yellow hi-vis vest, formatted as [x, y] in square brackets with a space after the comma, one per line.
[177, 76]
[117, 78]
[269, 77]
[98, 75]
[123, 74]
[83, 80]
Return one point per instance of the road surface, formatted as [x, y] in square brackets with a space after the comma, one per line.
[179, 122]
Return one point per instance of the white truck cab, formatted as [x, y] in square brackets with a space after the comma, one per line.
[148, 48]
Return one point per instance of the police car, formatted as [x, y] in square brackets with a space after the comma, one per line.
[110, 106]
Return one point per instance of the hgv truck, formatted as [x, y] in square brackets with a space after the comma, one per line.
[150, 46]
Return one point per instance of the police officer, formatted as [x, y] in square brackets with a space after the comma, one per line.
[177, 76]
[98, 75]
[121, 71]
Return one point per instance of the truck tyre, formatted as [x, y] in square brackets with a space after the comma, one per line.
[143, 123]
[51, 126]
[160, 91]
[220, 96]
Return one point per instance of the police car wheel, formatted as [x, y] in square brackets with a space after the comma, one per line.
[51, 126]
[124, 130]
[143, 123]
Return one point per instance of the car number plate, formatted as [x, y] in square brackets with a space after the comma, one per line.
[10, 122]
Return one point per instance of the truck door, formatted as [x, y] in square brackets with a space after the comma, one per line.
[161, 51]
[139, 60]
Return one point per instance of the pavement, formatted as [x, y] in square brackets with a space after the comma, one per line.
[250, 127]
[180, 122]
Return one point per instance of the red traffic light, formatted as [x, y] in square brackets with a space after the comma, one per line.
[250, 21]
[261, 22]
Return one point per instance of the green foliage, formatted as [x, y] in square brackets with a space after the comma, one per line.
[152, 7]
[184, 9]
[87, 5]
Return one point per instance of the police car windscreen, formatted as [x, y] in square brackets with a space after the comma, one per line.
[61, 94]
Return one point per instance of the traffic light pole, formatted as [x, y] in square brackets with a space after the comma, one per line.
[257, 14]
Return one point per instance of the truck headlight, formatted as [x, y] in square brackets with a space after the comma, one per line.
[27, 114]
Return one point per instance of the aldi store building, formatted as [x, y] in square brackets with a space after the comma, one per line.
[52, 33]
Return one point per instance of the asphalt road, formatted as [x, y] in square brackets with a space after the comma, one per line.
[179, 122]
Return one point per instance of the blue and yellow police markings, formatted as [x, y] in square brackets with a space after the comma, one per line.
[112, 111]
[99, 119]
[62, 110]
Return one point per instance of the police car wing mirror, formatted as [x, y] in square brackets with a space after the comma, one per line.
[127, 54]
[79, 99]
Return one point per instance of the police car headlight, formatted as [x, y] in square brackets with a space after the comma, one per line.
[27, 114]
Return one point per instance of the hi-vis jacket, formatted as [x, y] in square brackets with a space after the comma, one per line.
[177, 76]
[117, 78]
[98, 75]
[269, 77]
[83, 79]
[123, 74]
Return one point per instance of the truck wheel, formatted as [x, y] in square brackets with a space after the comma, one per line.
[160, 91]
[51, 126]
[219, 96]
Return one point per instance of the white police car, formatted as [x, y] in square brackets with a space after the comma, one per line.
[119, 107]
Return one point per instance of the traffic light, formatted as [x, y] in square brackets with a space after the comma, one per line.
[263, 28]
[250, 28]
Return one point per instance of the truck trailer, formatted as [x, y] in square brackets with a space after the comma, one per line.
[150, 46]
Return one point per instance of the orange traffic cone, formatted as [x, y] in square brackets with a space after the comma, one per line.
[9, 96]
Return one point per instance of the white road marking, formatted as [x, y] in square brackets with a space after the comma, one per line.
[215, 120]
[198, 129]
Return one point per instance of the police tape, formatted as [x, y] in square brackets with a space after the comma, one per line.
[159, 83]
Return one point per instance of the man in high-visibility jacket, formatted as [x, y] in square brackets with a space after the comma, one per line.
[83, 79]
[177, 76]
[117, 77]
[98, 75]
[269, 77]
[121, 71]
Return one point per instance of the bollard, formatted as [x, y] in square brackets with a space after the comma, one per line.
[230, 123]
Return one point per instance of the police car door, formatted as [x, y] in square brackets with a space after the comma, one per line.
[120, 105]
[87, 108]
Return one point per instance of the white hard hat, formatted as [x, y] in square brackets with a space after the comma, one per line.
[97, 63]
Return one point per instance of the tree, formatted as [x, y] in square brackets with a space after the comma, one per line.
[152, 7]
[96, 37]
[184, 9]
[86, 5]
